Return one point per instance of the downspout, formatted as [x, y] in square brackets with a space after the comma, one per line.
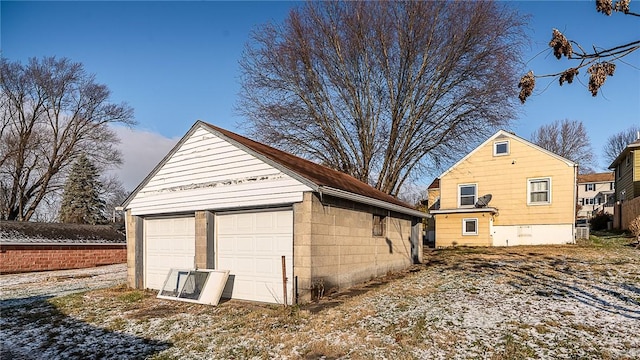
[575, 202]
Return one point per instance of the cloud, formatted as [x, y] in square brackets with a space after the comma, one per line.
[141, 151]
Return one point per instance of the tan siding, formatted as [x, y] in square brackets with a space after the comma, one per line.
[505, 177]
[432, 196]
[449, 230]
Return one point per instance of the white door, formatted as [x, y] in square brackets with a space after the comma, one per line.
[169, 243]
[251, 246]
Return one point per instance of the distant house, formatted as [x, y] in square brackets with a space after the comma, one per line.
[627, 169]
[596, 192]
[279, 223]
[30, 246]
[508, 191]
[627, 185]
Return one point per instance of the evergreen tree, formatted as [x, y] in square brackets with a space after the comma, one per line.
[81, 202]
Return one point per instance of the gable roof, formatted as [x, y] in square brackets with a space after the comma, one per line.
[505, 134]
[435, 184]
[633, 146]
[594, 178]
[320, 178]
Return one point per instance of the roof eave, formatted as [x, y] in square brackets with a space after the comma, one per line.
[371, 201]
[157, 168]
[622, 155]
[464, 211]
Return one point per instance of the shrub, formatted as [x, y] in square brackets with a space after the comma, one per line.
[599, 222]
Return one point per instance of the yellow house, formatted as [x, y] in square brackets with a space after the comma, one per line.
[508, 191]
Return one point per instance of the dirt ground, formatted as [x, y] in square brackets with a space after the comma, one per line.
[554, 302]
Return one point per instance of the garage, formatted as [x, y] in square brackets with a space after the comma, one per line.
[221, 201]
[169, 243]
[251, 246]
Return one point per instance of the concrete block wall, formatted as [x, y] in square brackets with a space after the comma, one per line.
[334, 244]
[204, 240]
[27, 258]
[132, 229]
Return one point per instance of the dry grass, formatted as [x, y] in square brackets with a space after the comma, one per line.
[580, 301]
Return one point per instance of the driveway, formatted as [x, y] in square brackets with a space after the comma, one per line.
[19, 289]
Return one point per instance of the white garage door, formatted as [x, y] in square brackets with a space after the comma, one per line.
[251, 246]
[169, 243]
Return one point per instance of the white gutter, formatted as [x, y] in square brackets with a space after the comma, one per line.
[464, 210]
[371, 201]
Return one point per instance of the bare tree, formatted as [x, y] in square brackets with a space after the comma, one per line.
[569, 139]
[600, 62]
[382, 90]
[51, 112]
[114, 194]
[616, 143]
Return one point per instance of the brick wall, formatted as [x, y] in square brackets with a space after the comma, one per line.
[25, 258]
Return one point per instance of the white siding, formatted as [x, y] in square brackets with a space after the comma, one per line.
[207, 172]
[532, 235]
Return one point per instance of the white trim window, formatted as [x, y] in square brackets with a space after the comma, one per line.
[539, 191]
[501, 148]
[470, 226]
[590, 187]
[467, 195]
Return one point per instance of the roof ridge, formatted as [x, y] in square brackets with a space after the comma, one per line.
[319, 174]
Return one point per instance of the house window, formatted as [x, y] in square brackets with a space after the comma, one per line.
[467, 195]
[582, 201]
[628, 160]
[379, 225]
[590, 187]
[469, 226]
[500, 148]
[539, 191]
[611, 186]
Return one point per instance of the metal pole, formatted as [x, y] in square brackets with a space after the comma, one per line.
[284, 280]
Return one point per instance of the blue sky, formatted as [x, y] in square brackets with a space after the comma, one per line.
[177, 62]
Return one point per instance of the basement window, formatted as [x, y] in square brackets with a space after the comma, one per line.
[379, 225]
[202, 286]
[469, 226]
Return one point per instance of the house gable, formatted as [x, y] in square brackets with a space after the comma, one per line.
[206, 171]
[507, 177]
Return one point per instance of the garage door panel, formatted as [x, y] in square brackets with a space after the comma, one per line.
[265, 244]
[244, 244]
[251, 245]
[169, 243]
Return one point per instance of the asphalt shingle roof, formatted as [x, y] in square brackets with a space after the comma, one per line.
[594, 178]
[316, 173]
[25, 232]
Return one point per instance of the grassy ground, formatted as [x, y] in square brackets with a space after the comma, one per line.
[575, 302]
